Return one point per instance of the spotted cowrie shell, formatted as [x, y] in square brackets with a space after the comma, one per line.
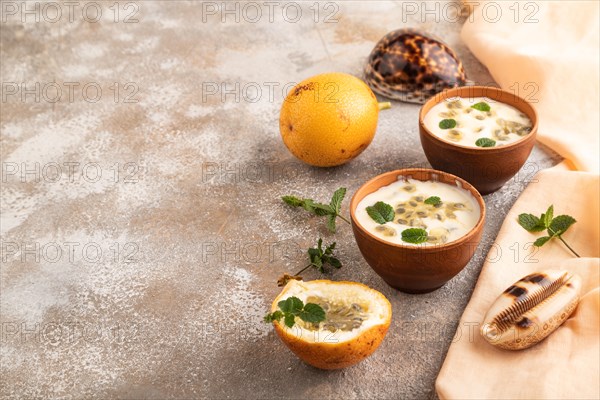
[531, 309]
[412, 66]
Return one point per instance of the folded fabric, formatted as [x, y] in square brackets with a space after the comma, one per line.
[566, 365]
[548, 53]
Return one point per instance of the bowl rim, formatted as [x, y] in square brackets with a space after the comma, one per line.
[407, 171]
[449, 93]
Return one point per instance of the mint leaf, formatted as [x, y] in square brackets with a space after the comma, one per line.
[290, 320]
[414, 235]
[331, 210]
[539, 242]
[549, 216]
[331, 223]
[291, 305]
[336, 200]
[318, 264]
[447, 124]
[292, 201]
[308, 205]
[485, 142]
[381, 212]
[433, 200]
[482, 106]
[312, 313]
[329, 249]
[554, 226]
[274, 316]
[315, 255]
[560, 224]
[322, 209]
[531, 223]
[319, 257]
[334, 262]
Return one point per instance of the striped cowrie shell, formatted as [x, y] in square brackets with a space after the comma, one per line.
[531, 309]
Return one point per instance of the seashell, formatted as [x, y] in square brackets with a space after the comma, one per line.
[411, 66]
[531, 309]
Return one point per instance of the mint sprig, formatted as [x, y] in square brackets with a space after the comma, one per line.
[331, 210]
[485, 142]
[481, 106]
[381, 212]
[318, 259]
[414, 235]
[554, 226]
[293, 307]
[447, 123]
[433, 200]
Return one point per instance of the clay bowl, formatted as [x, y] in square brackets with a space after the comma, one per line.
[486, 168]
[415, 269]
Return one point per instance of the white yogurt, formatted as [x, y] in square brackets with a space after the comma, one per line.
[503, 124]
[453, 218]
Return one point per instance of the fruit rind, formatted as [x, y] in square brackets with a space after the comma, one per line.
[335, 350]
[329, 119]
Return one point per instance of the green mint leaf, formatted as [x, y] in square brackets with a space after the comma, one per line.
[482, 106]
[433, 200]
[414, 235]
[318, 264]
[560, 224]
[320, 246]
[322, 209]
[554, 226]
[331, 223]
[329, 249]
[292, 201]
[274, 316]
[381, 212]
[308, 205]
[539, 242]
[291, 305]
[336, 200]
[447, 124]
[319, 257]
[312, 313]
[314, 254]
[290, 320]
[485, 142]
[334, 262]
[531, 223]
[548, 216]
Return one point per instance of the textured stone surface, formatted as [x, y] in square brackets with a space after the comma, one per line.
[191, 232]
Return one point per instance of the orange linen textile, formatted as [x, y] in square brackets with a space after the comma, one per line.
[559, 54]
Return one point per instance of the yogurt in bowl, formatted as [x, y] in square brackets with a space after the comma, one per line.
[445, 226]
[477, 122]
[479, 133]
[419, 212]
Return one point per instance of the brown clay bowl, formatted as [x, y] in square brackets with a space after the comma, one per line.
[486, 168]
[415, 269]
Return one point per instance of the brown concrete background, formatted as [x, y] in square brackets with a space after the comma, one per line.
[186, 212]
